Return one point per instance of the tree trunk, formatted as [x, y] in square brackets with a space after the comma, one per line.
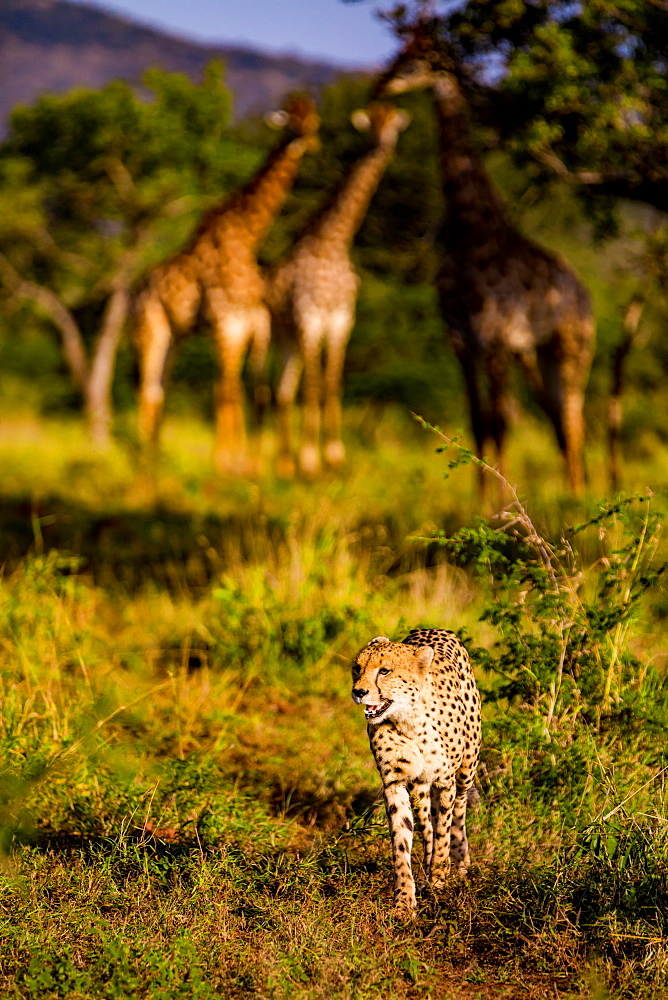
[93, 378]
[97, 391]
[60, 315]
[631, 323]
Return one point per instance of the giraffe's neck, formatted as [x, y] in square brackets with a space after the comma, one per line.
[339, 222]
[472, 200]
[255, 206]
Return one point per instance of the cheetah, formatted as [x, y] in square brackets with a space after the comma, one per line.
[422, 708]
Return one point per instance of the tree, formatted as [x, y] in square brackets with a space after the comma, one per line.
[94, 185]
[579, 89]
[586, 85]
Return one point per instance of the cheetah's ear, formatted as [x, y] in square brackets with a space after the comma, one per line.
[379, 638]
[424, 655]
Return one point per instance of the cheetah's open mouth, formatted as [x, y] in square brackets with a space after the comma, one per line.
[373, 711]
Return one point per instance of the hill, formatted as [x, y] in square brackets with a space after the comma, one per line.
[53, 45]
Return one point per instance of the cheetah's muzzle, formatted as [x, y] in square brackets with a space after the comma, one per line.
[373, 711]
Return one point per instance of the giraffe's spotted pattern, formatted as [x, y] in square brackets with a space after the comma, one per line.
[505, 299]
[218, 275]
[422, 709]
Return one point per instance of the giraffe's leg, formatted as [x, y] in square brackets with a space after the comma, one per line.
[499, 404]
[476, 412]
[575, 371]
[285, 398]
[442, 801]
[311, 349]
[563, 400]
[400, 822]
[337, 342]
[232, 337]
[258, 362]
[573, 433]
[153, 338]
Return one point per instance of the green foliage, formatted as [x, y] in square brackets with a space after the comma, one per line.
[579, 88]
[116, 970]
[249, 631]
[99, 172]
[417, 368]
[86, 134]
[99, 185]
[563, 627]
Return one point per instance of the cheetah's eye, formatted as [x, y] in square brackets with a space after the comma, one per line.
[384, 670]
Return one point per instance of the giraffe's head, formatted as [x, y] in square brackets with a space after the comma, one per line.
[422, 62]
[299, 118]
[383, 120]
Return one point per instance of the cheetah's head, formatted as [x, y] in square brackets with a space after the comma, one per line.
[388, 678]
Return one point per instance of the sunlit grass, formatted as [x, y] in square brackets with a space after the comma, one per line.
[53, 457]
[189, 805]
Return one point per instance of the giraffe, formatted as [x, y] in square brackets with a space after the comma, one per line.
[312, 294]
[218, 273]
[503, 297]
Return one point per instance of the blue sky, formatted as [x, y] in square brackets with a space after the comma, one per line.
[345, 32]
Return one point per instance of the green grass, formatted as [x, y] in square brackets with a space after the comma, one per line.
[189, 805]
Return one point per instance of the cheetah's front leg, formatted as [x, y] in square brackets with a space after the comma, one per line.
[400, 821]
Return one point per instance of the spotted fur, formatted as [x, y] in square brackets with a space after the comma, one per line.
[423, 712]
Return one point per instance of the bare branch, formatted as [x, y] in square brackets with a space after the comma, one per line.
[630, 339]
[550, 159]
[45, 242]
[179, 206]
[121, 178]
[49, 302]
[619, 183]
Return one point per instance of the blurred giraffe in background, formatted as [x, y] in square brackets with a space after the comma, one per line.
[218, 273]
[312, 294]
[503, 297]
